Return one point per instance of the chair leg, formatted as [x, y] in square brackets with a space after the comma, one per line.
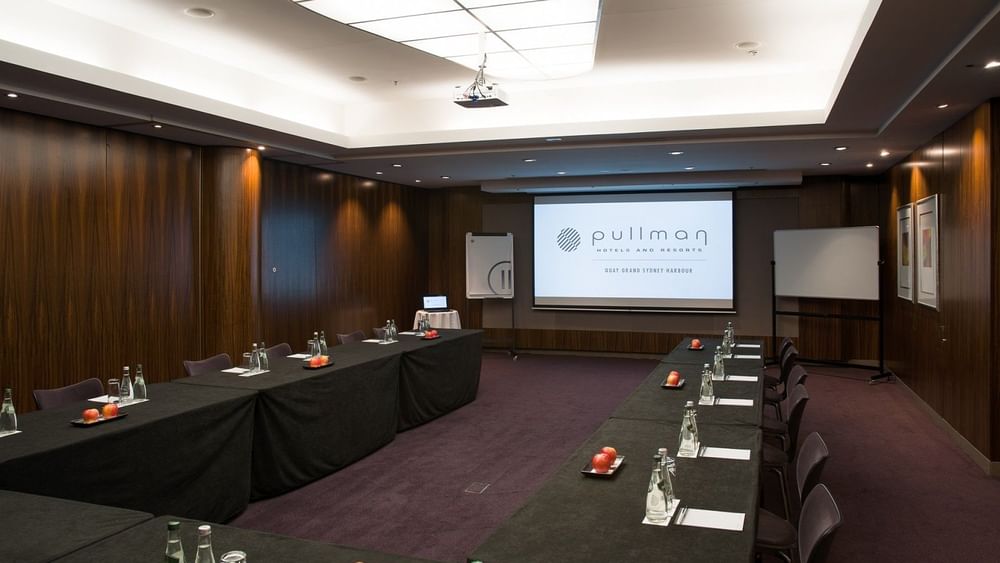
[784, 490]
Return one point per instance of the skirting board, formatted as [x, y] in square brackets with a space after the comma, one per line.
[991, 468]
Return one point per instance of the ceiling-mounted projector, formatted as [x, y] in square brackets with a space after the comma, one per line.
[480, 97]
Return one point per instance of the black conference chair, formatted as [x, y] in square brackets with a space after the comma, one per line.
[356, 336]
[789, 359]
[208, 365]
[776, 459]
[818, 523]
[774, 397]
[282, 350]
[52, 398]
[379, 333]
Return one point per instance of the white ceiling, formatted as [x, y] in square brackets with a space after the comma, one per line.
[667, 78]
[664, 65]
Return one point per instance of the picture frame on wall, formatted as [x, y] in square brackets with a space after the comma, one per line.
[904, 251]
[928, 257]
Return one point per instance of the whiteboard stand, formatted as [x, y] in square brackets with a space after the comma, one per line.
[489, 272]
[880, 319]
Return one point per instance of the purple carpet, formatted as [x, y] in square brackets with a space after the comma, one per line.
[408, 498]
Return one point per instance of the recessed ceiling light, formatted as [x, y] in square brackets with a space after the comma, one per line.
[11, 95]
[748, 46]
[446, 177]
[553, 139]
[840, 148]
[397, 165]
[942, 106]
[357, 78]
[561, 172]
[530, 159]
[418, 181]
[199, 12]
[869, 165]
[689, 168]
[676, 153]
[379, 172]
[991, 64]
[157, 126]
[824, 164]
[884, 153]
[261, 148]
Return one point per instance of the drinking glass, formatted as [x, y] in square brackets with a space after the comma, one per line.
[114, 391]
[246, 360]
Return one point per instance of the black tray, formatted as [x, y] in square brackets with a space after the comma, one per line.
[589, 469]
[326, 365]
[678, 386]
[100, 420]
[698, 349]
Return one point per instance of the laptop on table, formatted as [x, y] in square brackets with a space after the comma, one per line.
[436, 303]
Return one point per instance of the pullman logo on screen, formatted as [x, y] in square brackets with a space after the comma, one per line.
[568, 239]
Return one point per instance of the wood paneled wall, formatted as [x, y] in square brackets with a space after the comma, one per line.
[122, 249]
[230, 250]
[340, 253]
[944, 354]
[98, 241]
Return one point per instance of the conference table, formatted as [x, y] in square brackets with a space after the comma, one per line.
[584, 517]
[309, 423]
[184, 451]
[147, 542]
[37, 528]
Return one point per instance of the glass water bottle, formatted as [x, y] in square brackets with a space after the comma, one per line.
[324, 350]
[139, 388]
[707, 386]
[254, 359]
[204, 554]
[688, 446]
[8, 418]
[175, 551]
[126, 392]
[719, 371]
[656, 502]
[265, 362]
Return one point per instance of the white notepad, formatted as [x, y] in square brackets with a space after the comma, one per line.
[234, 370]
[712, 519]
[752, 378]
[734, 402]
[412, 333]
[5, 434]
[726, 453]
[746, 357]
[748, 345]
[372, 340]
[248, 373]
[299, 356]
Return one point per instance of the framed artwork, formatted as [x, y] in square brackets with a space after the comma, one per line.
[927, 251]
[904, 251]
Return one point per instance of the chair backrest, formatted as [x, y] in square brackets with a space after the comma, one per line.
[818, 523]
[379, 333]
[52, 398]
[796, 376]
[809, 463]
[282, 349]
[356, 336]
[788, 360]
[797, 398]
[208, 365]
[785, 343]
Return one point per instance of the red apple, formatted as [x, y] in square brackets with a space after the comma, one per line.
[674, 377]
[315, 361]
[610, 452]
[90, 415]
[695, 343]
[110, 410]
[601, 462]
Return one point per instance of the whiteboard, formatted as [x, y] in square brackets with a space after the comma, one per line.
[489, 265]
[827, 263]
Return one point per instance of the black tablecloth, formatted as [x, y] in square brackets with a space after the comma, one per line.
[310, 423]
[683, 354]
[148, 541]
[650, 401]
[439, 376]
[184, 451]
[582, 518]
[39, 529]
